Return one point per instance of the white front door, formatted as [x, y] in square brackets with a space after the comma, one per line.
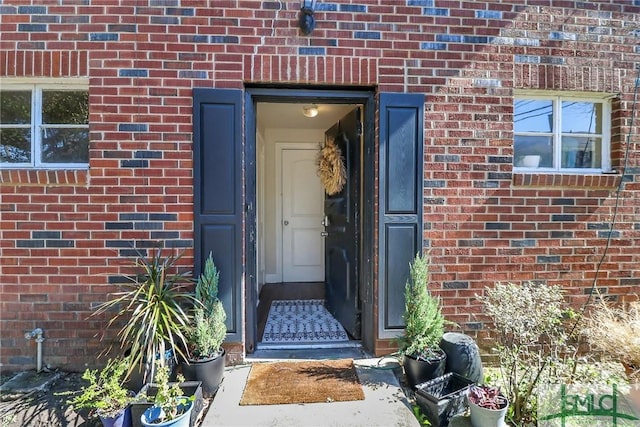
[302, 214]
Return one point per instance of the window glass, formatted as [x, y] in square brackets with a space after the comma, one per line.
[15, 145]
[581, 117]
[65, 107]
[580, 152]
[42, 127]
[578, 142]
[15, 107]
[533, 151]
[531, 115]
[65, 145]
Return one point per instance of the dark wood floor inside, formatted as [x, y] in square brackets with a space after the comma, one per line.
[283, 291]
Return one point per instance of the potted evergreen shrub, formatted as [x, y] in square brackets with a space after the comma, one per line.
[105, 396]
[207, 333]
[170, 407]
[152, 306]
[424, 327]
[487, 406]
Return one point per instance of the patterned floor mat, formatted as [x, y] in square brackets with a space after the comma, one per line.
[296, 323]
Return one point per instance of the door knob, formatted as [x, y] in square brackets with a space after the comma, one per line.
[286, 222]
[324, 233]
[325, 221]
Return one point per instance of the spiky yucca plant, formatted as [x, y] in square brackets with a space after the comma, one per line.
[152, 306]
[424, 322]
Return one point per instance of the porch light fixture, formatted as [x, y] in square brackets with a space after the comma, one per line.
[310, 110]
[307, 21]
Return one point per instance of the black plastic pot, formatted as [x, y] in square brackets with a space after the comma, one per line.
[209, 371]
[442, 398]
[418, 371]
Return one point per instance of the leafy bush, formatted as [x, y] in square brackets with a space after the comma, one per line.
[104, 395]
[531, 339]
[170, 397]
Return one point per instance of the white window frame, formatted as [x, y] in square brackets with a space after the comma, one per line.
[557, 98]
[36, 124]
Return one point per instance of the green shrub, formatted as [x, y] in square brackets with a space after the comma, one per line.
[207, 333]
[104, 395]
[531, 340]
[424, 322]
[170, 397]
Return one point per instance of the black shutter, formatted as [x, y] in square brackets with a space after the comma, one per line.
[400, 201]
[217, 180]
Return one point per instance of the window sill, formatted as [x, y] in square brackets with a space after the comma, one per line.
[560, 180]
[44, 177]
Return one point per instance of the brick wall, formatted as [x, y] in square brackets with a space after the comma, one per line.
[65, 236]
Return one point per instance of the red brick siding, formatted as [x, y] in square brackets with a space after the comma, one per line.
[59, 231]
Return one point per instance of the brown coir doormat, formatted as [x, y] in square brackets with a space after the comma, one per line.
[302, 382]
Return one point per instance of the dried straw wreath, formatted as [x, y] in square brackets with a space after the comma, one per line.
[331, 169]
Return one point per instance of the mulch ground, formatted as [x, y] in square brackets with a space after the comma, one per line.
[47, 407]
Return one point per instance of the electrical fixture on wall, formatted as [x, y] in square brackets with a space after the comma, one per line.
[310, 110]
[307, 20]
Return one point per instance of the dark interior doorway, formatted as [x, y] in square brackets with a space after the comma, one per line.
[263, 291]
[285, 291]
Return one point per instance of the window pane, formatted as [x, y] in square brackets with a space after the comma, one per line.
[581, 152]
[532, 115]
[15, 107]
[65, 145]
[65, 107]
[533, 151]
[15, 145]
[581, 117]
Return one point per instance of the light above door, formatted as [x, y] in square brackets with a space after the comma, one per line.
[310, 110]
[289, 115]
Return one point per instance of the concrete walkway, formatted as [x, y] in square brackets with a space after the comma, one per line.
[385, 403]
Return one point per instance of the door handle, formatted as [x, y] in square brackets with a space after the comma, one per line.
[324, 233]
[286, 222]
[325, 221]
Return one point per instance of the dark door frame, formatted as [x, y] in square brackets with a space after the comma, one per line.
[366, 97]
